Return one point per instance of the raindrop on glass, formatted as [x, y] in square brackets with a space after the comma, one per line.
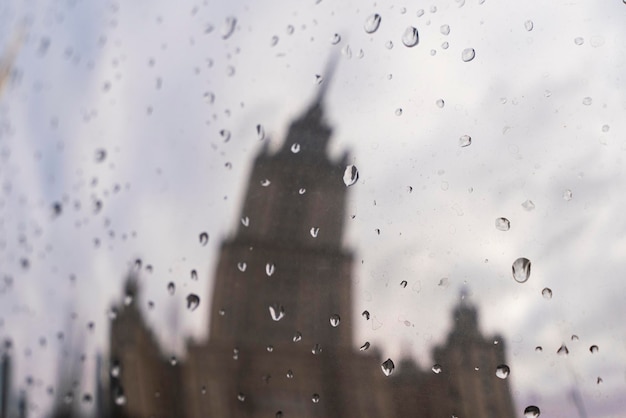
[225, 134]
[314, 231]
[599, 380]
[265, 182]
[403, 284]
[194, 275]
[593, 349]
[242, 266]
[241, 397]
[297, 337]
[502, 371]
[277, 312]
[372, 23]
[317, 348]
[295, 148]
[366, 315]
[587, 101]
[420, 13]
[410, 37]
[605, 128]
[315, 398]
[350, 175]
[289, 374]
[193, 301]
[173, 361]
[563, 350]
[398, 111]
[444, 29]
[270, 268]
[334, 320]
[302, 190]
[270, 348]
[529, 25]
[101, 155]
[274, 40]
[335, 39]
[115, 370]
[445, 45]
[465, 141]
[528, 205]
[546, 293]
[229, 27]
[521, 269]
[579, 41]
[245, 221]
[440, 103]
[468, 54]
[538, 348]
[290, 29]
[365, 346]
[531, 412]
[260, 131]
[171, 288]
[389, 45]
[204, 238]
[503, 224]
[437, 369]
[387, 367]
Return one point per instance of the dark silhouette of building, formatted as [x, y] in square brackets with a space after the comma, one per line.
[280, 338]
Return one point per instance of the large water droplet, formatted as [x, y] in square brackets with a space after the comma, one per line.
[204, 238]
[193, 301]
[229, 27]
[503, 224]
[277, 312]
[546, 293]
[465, 141]
[410, 37]
[366, 315]
[437, 368]
[171, 288]
[350, 175]
[365, 346]
[502, 371]
[372, 23]
[468, 54]
[529, 25]
[270, 268]
[531, 412]
[387, 367]
[315, 398]
[593, 349]
[334, 320]
[314, 231]
[563, 350]
[521, 269]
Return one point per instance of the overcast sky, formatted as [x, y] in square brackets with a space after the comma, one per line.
[154, 84]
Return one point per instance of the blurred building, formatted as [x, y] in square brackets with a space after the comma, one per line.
[280, 331]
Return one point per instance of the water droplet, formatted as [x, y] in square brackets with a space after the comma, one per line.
[279, 414]
[335, 39]
[289, 374]
[605, 128]
[115, 370]
[529, 25]
[297, 336]
[235, 353]
[366, 315]
[277, 312]
[387, 367]
[521, 269]
[317, 348]
[270, 348]
[599, 380]
[444, 29]
[445, 45]
[502, 371]
[171, 288]
[318, 79]
[194, 275]
[503, 224]
[465, 141]
[314, 231]
[245, 221]
[209, 97]
[295, 148]
[242, 266]
[389, 45]
[334, 320]
[302, 190]
[173, 361]
[260, 132]
[101, 155]
[346, 51]
[372, 23]
[420, 13]
[440, 103]
[229, 27]
[562, 350]
[546, 293]
[270, 268]
[274, 40]
[120, 399]
[587, 101]
[398, 112]
[365, 346]
[204, 238]
[593, 349]
[574, 337]
[315, 398]
[468, 54]
[410, 37]
[437, 368]
[538, 348]
[225, 134]
[531, 412]
[350, 175]
[265, 182]
[528, 205]
[403, 284]
[193, 301]
[290, 29]
[579, 41]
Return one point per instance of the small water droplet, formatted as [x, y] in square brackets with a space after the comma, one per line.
[389, 45]
[260, 132]
[398, 112]
[366, 315]
[410, 37]
[274, 40]
[302, 190]
[605, 128]
[297, 336]
[193, 301]
[229, 27]
[101, 155]
[503, 224]
[350, 175]
[538, 348]
[502, 371]
[468, 54]
[171, 288]
[277, 312]
[521, 269]
[574, 337]
[242, 266]
[440, 103]
[403, 284]
[562, 350]
[315, 398]
[317, 348]
[579, 41]
[173, 361]
[314, 231]
[445, 45]
[529, 25]
[531, 412]
[465, 141]
[265, 182]
[245, 221]
[270, 268]
[204, 238]
[372, 23]
[365, 346]
[289, 374]
[290, 29]
[270, 348]
[528, 205]
[420, 13]
[599, 380]
[194, 275]
[115, 370]
[334, 320]
[295, 148]
[546, 293]
[335, 39]
[120, 399]
[587, 101]
[387, 367]
[346, 51]
[318, 79]
[437, 368]
[444, 29]
[241, 397]
[225, 134]
[593, 349]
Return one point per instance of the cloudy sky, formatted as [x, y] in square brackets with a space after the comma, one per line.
[138, 122]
